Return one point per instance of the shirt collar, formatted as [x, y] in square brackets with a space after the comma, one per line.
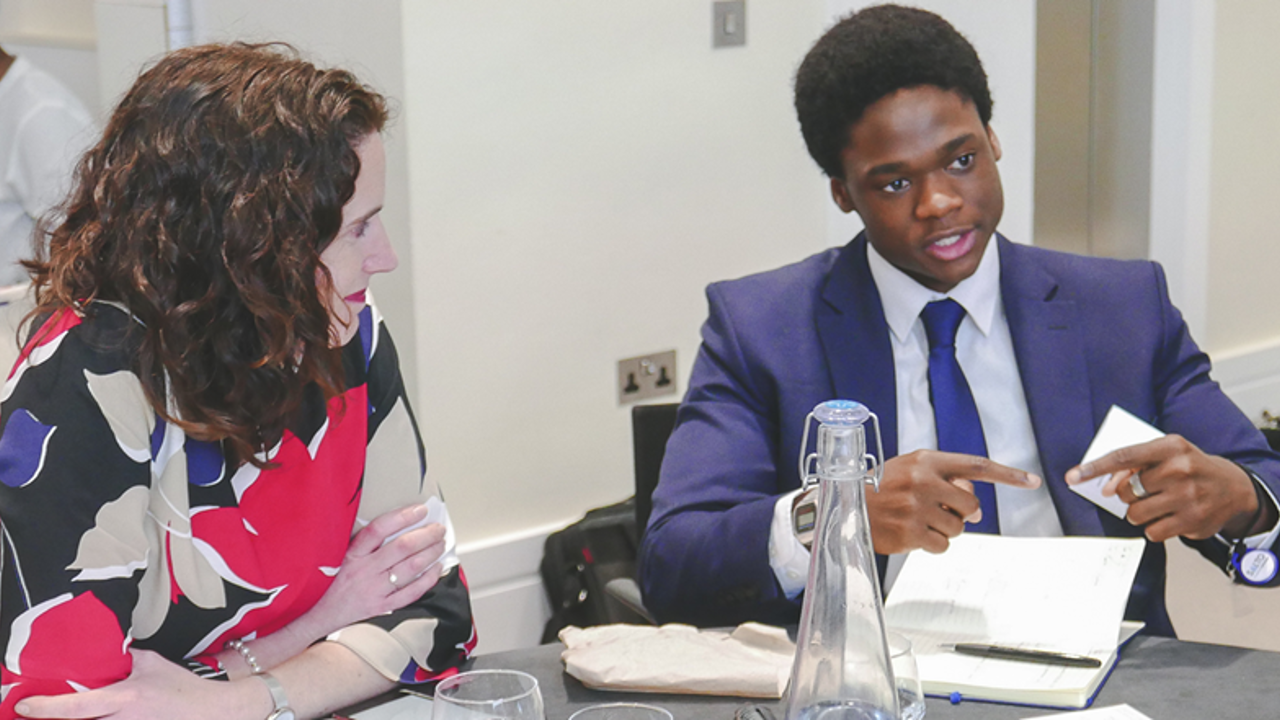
[903, 298]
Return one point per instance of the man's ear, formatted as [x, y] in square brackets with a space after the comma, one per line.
[995, 141]
[840, 193]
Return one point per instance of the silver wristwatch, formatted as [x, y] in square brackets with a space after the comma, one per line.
[804, 515]
[282, 710]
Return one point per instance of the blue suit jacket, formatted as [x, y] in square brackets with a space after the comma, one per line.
[1087, 333]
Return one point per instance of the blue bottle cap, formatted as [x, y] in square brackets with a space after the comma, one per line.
[841, 412]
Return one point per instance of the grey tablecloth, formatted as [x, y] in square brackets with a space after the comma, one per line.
[1164, 679]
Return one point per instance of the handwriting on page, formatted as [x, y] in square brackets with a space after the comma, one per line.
[1057, 594]
[1065, 594]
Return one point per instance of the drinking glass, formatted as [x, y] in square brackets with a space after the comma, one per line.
[621, 711]
[906, 676]
[488, 695]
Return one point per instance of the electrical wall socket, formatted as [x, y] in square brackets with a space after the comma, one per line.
[647, 376]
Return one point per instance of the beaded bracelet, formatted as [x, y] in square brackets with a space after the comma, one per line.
[243, 648]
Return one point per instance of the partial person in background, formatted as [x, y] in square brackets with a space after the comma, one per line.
[208, 465]
[43, 130]
[990, 364]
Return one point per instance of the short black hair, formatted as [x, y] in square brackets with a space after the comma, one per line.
[873, 53]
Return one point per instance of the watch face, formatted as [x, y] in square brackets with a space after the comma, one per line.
[1258, 567]
[804, 516]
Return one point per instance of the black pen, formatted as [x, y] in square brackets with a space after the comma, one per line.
[1046, 657]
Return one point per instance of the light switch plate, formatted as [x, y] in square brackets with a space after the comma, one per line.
[728, 23]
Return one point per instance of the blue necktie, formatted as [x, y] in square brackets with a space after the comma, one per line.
[954, 413]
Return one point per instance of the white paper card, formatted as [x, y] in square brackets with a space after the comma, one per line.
[1119, 429]
[435, 514]
[1111, 712]
[405, 707]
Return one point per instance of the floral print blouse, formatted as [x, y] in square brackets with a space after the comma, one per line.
[117, 530]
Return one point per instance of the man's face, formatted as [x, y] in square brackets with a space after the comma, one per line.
[920, 170]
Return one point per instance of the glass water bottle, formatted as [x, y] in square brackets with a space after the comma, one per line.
[842, 669]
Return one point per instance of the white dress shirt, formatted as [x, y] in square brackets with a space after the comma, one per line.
[984, 349]
[43, 131]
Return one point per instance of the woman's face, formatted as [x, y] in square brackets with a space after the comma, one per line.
[361, 248]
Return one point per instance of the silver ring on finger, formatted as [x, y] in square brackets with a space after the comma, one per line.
[392, 577]
[1135, 484]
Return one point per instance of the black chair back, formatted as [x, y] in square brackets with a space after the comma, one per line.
[651, 425]
[1273, 437]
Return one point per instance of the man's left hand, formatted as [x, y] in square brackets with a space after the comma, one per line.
[1188, 493]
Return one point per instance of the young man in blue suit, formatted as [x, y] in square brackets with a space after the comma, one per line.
[894, 106]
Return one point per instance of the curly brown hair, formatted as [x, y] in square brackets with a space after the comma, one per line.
[203, 210]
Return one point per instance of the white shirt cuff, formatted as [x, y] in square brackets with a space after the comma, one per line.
[1268, 538]
[1263, 539]
[788, 558]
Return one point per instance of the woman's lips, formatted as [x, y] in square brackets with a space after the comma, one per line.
[356, 297]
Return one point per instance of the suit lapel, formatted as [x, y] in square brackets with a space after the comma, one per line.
[855, 339]
[1049, 348]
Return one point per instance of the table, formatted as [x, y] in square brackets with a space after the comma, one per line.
[1164, 679]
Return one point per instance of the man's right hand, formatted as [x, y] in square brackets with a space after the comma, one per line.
[926, 497]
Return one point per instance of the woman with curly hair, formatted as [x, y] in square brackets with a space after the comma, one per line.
[208, 466]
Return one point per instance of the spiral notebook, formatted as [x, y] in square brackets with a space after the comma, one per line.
[1057, 594]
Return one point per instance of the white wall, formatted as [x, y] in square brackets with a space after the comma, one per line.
[132, 34]
[48, 22]
[1004, 34]
[1182, 121]
[58, 37]
[1244, 216]
[581, 170]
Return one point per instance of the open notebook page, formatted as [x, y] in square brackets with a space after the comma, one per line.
[1064, 594]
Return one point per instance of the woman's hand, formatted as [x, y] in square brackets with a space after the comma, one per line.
[363, 587]
[380, 574]
[156, 688]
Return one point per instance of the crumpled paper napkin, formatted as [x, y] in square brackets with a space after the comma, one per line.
[752, 660]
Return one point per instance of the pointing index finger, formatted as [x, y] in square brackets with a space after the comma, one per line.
[957, 466]
[1132, 457]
